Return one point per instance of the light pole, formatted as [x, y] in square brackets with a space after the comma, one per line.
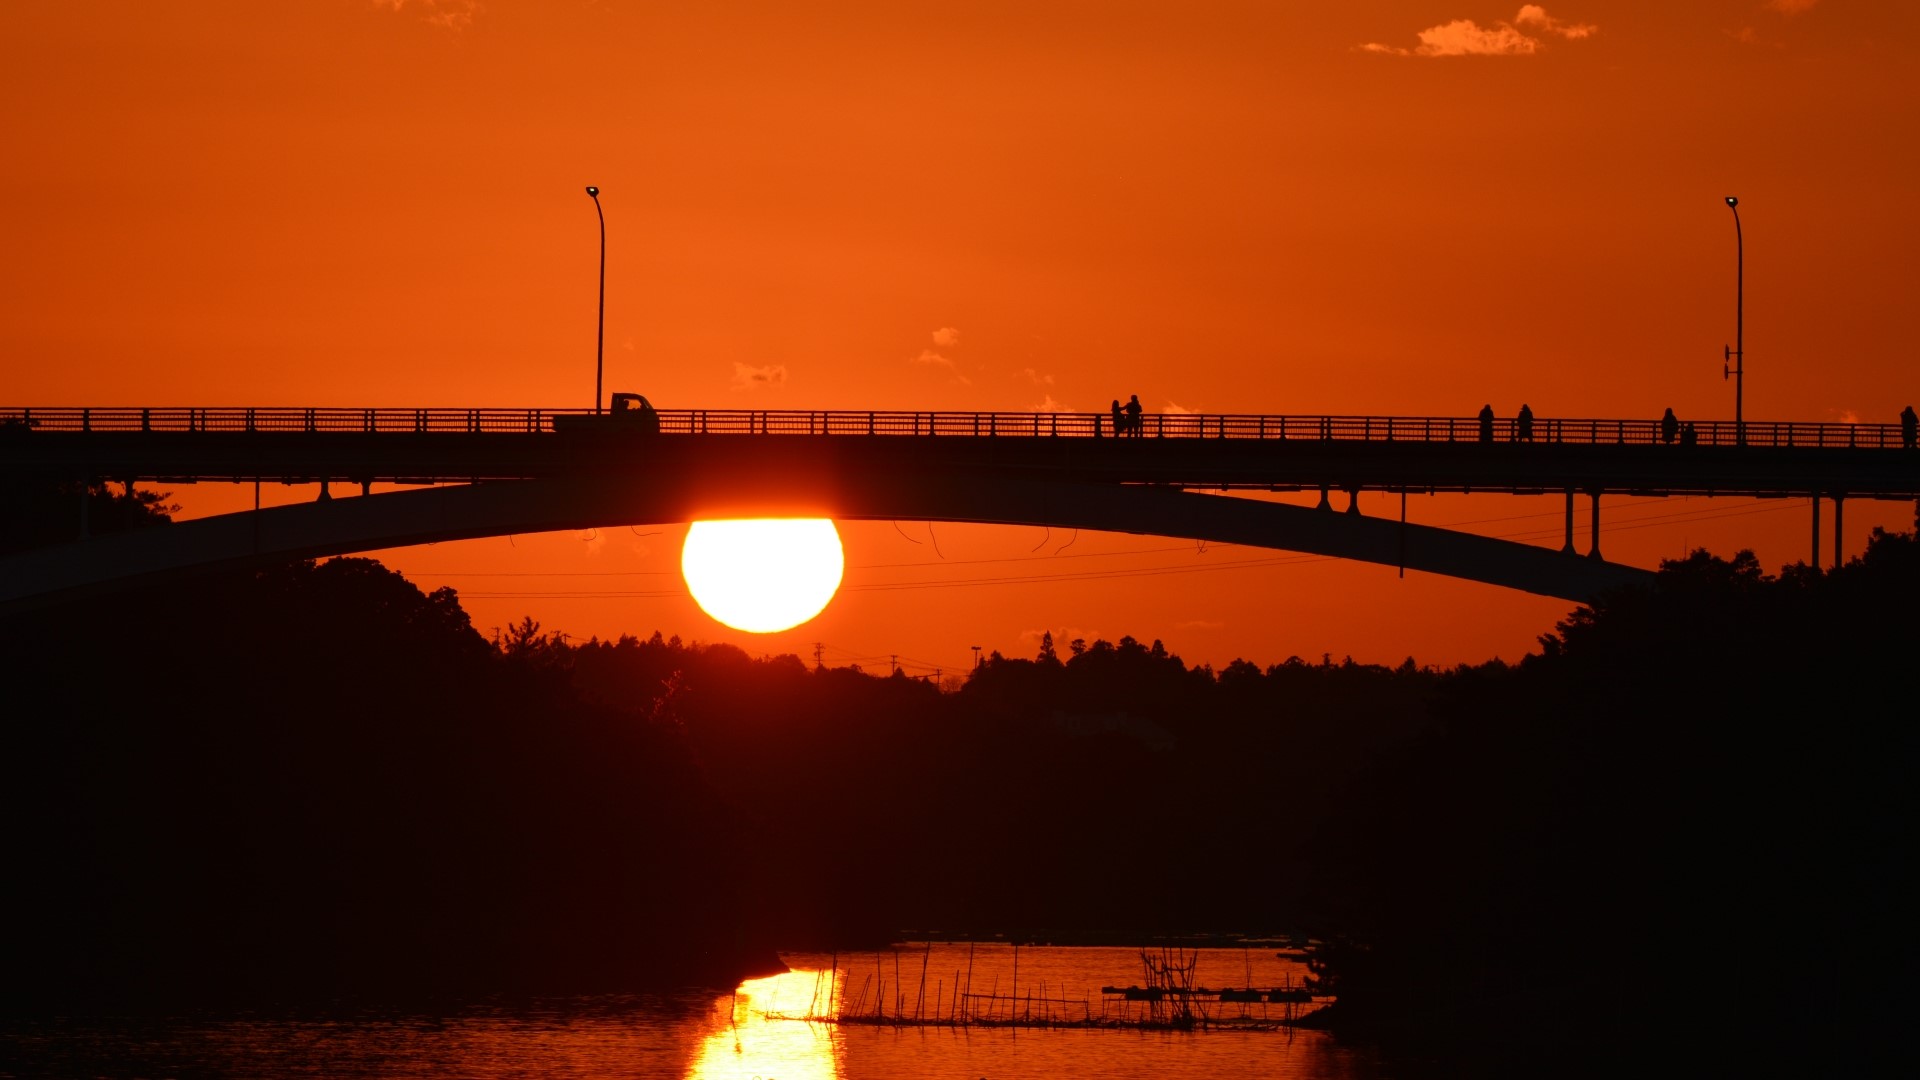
[600, 330]
[1734, 363]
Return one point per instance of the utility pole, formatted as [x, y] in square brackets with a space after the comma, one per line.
[818, 648]
[976, 656]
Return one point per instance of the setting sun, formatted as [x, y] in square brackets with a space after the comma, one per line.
[762, 575]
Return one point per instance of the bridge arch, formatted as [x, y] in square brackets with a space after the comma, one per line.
[393, 519]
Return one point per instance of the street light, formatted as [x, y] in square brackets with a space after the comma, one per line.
[1734, 362]
[600, 332]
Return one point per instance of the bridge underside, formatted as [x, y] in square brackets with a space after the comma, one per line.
[393, 519]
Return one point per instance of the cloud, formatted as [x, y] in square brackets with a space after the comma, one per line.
[1464, 37]
[446, 14]
[946, 337]
[1791, 7]
[1177, 409]
[753, 378]
[1535, 16]
[1049, 404]
[929, 358]
[1035, 377]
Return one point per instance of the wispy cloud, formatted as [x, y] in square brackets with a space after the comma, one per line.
[1536, 18]
[1035, 377]
[1050, 404]
[1174, 408]
[447, 14]
[944, 338]
[929, 358]
[746, 377]
[1523, 36]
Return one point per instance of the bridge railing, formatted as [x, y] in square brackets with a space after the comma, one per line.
[1428, 429]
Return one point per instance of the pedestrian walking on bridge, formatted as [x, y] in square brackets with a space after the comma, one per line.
[1486, 423]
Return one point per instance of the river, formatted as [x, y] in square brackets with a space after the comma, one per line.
[756, 1032]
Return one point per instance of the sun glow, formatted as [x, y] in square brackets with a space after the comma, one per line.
[762, 575]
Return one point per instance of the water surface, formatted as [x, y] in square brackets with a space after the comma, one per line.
[739, 1036]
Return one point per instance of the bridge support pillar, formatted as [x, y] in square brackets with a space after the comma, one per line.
[1324, 504]
[366, 487]
[1567, 548]
[1353, 500]
[325, 495]
[1593, 547]
[1815, 561]
[1839, 553]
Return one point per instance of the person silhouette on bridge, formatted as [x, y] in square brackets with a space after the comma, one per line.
[1119, 424]
[1133, 415]
[1909, 425]
[1669, 427]
[1523, 425]
[1687, 437]
[1486, 423]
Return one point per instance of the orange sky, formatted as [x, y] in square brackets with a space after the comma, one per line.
[1221, 207]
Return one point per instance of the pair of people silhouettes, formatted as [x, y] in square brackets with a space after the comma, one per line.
[1522, 424]
[1126, 418]
[1671, 428]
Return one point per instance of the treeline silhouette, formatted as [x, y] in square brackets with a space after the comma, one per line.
[1687, 817]
[317, 780]
[38, 514]
[1687, 823]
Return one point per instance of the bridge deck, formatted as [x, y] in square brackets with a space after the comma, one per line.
[1421, 454]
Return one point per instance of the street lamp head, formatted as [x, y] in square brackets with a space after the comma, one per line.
[595, 192]
[1731, 201]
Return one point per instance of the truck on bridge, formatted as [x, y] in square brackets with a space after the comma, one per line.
[628, 412]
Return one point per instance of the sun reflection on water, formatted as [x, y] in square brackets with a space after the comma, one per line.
[750, 1046]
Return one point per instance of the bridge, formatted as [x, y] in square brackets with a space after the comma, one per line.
[501, 471]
